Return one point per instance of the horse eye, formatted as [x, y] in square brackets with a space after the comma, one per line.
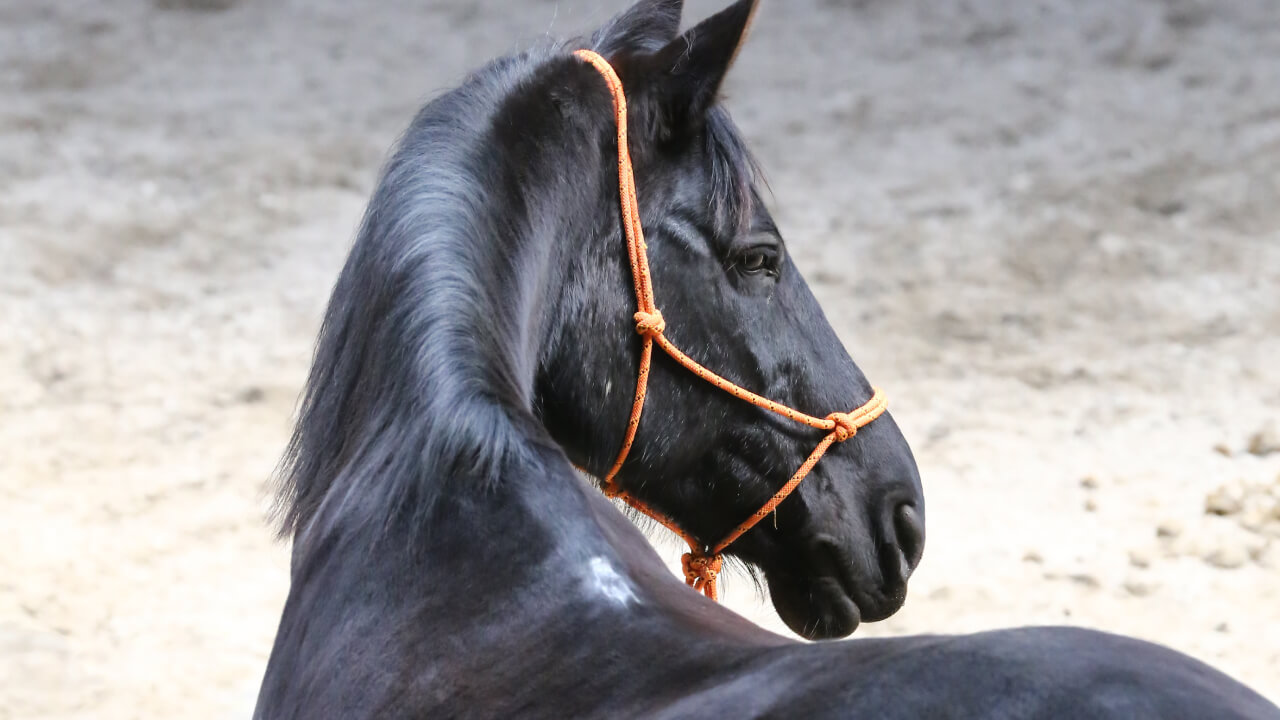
[756, 260]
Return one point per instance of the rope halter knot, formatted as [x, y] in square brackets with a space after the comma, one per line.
[700, 572]
[845, 426]
[703, 562]
[650, 323]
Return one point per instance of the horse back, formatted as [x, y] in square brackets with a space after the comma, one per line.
[1028, 673]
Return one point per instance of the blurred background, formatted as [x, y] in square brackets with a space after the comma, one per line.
[1050, 229]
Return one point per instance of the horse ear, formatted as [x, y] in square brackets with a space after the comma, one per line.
[642, 28]
[690, 69]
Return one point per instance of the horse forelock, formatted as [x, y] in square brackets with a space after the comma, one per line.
[734, 174]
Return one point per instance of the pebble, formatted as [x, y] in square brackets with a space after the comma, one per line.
[251, 395]
[1266, 440]
[1138, 588]
[1169, 529]
[1256, 507]
[1085, 579]
[1139, 559]
[1089, 482]
[1223, 501]
[1228, 557]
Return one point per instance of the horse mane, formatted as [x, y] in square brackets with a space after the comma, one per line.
[368, 420]
[413, 377]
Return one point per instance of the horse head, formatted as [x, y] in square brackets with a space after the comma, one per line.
[841, 549]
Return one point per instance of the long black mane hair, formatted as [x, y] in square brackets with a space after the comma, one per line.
[414, 369]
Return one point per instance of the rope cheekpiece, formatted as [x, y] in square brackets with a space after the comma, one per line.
[702, 563]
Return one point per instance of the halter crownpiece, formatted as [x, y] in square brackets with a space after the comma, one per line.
[702, 563]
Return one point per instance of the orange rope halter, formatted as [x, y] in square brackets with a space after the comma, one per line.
[702, 563]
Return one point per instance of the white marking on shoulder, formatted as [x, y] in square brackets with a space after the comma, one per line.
[603, 579]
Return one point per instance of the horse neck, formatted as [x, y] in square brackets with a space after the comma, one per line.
[430, 502]
[421, 396]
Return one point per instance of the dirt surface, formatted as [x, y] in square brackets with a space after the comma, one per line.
[1050, 229]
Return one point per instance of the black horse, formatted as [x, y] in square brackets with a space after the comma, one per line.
[449, 561]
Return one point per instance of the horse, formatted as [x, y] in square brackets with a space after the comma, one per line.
[449, 560]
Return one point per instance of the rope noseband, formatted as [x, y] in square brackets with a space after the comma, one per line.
[702, 563]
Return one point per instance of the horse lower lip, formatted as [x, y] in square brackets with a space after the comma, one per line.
[843, 607]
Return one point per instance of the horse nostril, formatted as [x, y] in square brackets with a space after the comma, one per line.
[909, 527]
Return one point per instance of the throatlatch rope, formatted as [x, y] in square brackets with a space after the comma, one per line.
[702, 563]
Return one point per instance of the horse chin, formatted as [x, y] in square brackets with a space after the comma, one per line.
[831, 595]
[814, 608]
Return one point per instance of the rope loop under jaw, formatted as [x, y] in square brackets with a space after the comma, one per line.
[702, 563]
[700, 572]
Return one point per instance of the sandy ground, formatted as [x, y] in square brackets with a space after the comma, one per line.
[1050, 229]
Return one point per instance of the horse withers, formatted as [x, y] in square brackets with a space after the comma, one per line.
[448, 560]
